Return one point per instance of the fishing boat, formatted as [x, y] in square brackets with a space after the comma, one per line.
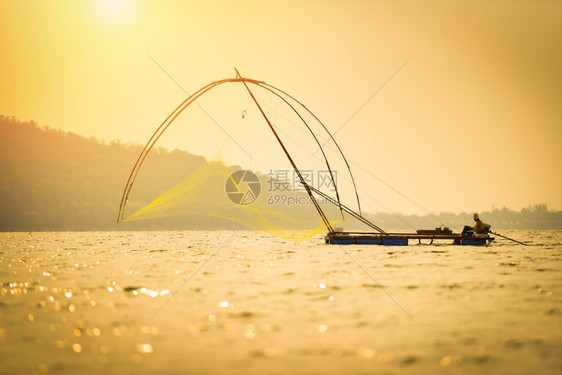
[336, 236]
[402, 239]
[425, 236]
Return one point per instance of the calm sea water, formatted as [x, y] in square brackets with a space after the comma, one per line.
[129, 302]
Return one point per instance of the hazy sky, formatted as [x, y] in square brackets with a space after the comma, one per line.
[472, 120]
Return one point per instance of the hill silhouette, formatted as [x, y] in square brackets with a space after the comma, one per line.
[55, 180]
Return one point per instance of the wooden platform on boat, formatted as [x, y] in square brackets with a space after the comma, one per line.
[401, 239]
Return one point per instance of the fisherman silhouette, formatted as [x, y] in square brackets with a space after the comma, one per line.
[479, 227]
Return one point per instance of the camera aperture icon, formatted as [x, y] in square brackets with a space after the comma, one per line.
[242, 187]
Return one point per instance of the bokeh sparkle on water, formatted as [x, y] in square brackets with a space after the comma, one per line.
[85, 302]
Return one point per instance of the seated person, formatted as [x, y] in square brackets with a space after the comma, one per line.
[479, 228]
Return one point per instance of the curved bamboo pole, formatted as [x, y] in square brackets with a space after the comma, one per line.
[158, 133]
[331, 136]
[315, 138]
[190, 100]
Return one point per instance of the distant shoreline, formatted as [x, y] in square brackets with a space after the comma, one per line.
[58, 181]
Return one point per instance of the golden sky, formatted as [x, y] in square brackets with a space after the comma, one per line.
[472, 120]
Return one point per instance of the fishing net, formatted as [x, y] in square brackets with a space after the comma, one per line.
[270, 130]
[250, 199]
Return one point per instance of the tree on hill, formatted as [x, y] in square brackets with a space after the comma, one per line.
[54, 180]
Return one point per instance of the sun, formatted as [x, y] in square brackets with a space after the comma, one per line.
[114, 11]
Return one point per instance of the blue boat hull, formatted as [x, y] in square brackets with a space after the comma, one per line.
[368, 241]
[470, 241]
[401, 239]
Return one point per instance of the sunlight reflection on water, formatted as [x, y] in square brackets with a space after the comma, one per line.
[82, 302]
